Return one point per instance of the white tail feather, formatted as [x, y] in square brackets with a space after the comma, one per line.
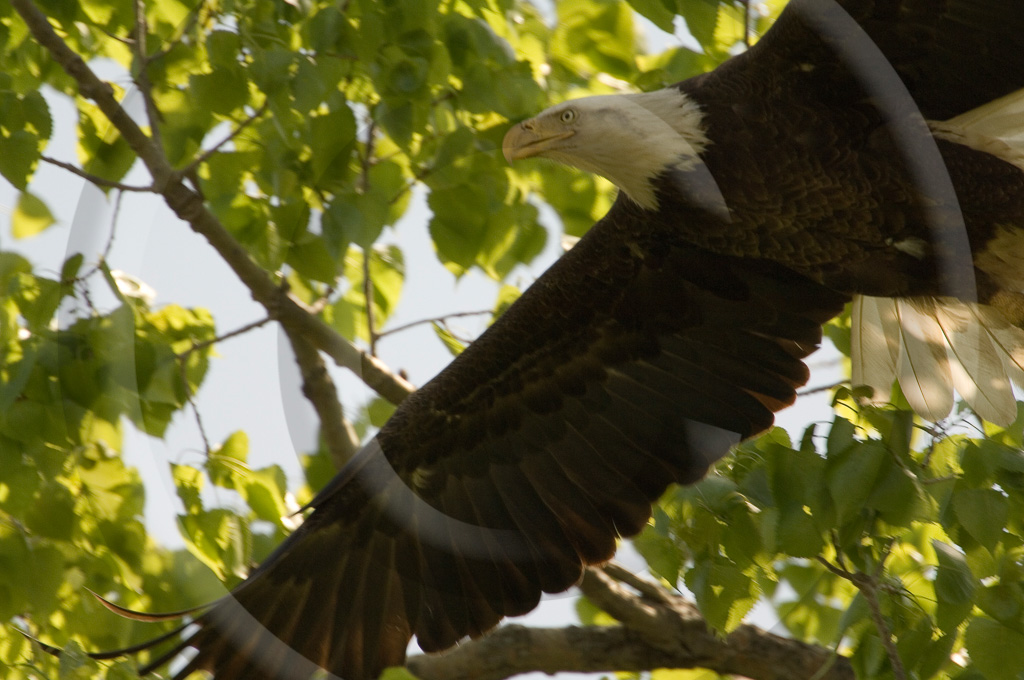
[923, 366]
[935, 345]
[978, 371]
[873, 352]
[940, 344]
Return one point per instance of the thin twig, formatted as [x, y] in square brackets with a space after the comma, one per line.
[868, 586]
[183, 371]
[105, 256]
[838, 571]
[822, 388]
[364, 186]
[205, 156]
[95, 179]
[142, 77]
[227, 336]
[368, 296]
[437, 319]
[182, 358]
[109, 245]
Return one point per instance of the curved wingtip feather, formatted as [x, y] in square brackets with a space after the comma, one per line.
[145, 616]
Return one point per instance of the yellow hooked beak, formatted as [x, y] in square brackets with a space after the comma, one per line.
[529, 139]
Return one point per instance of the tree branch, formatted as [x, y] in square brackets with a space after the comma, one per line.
[318, 387]
[189, 206]
[660, 630]
[672, 626]
[514, 649]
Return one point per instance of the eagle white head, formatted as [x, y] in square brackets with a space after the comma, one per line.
[627, 138]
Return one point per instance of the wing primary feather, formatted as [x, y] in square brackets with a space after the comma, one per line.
[592, 536]
[557, 563]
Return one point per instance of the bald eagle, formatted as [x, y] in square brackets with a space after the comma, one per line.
[838, 200]
[859, 149]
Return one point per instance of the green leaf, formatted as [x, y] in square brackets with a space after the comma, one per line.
[387, 272]
[189, 483]
[898, 498]
[658, 549]
[101, 149]
[701, 18]
[954, 587]
[397, 673]
[311, 258]
[271, 69]
[19, 153]
[397, 116]
[995, 650]
[797, 534]
[470, 227]
[263, 490]
[333, 135]
[379, 410]
[451, 343]
[857, 611]
[983, 513]
[507, 295]
[594, 36]
[226, 463]
[16, 377]
[510, 91]
[979, 463]
[69, 272]
[318, 470]
[38, 299]
[37, 114]
[852, 476]
[75, 664]
[220, 540]
[53, 514]
[724, 593]
[223, 47]
[1004, 602]
[840, 437]
[658, 12]
[222, 91]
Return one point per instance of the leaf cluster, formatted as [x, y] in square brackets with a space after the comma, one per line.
[873, 514]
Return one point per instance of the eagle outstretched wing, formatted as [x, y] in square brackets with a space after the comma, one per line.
[633, 363]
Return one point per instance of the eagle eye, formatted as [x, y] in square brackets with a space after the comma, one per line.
[568, 116]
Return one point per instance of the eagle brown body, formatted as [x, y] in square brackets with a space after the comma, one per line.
[669, 333]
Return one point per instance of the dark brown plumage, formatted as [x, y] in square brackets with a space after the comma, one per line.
[668, 334]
